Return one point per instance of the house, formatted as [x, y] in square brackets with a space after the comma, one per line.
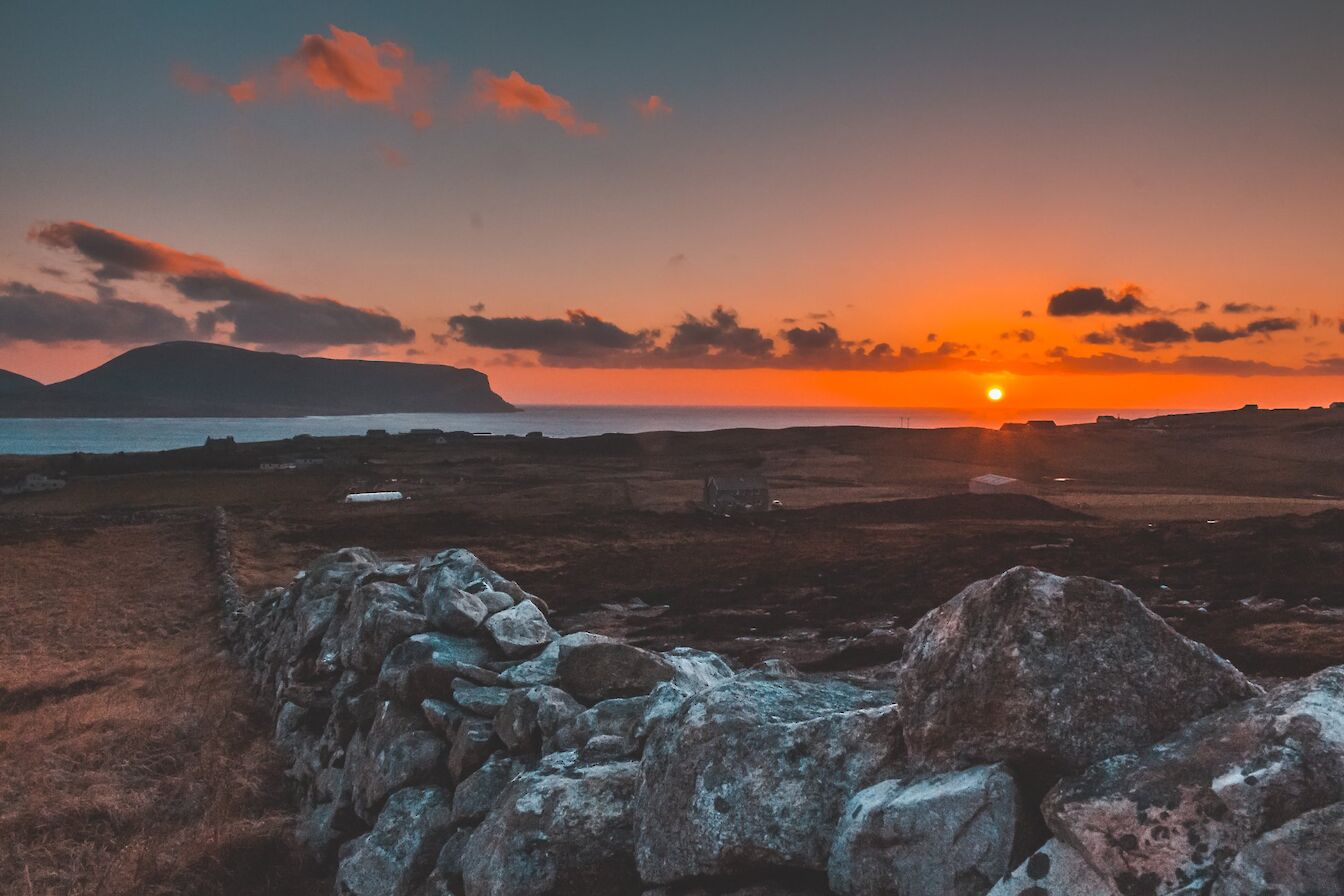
[994, 484]
[1337, 405]
[33, 482]
[1041, 424]
[745, 493]
[376, 434]
[223, 443]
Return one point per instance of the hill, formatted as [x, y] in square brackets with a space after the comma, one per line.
[198, 379]
[17, 384]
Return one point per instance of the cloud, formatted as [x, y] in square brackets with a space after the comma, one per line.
[577, 335]
[514, 95]
[1023, 335]
[1158, 331]
[262, 315]
[344, 64]
[1245, 308]
[120, 256]
[259, 314]
[720, 331]
[392, 157]
[1265, 326]
[1084, 300]
[653, 107]
[1096, 338]
[49, 317]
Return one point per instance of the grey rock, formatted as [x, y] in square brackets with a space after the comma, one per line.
[755, 772]
[480, 700]
[697, 669]
[521, 630]
[620, 719]
[398, 752]
[605, 670]
[558, 833]
[1304, 856]
[475, 742]
[478, 791]
[1056, 868]
[443, 717]
[446, 878]
[398, 854]
[425, 665]
[454, 610]
[541, 669]
[1175, 814]
[532, 715]
[952, 834]
[1054, 673]
[381, 615]
[494, 601]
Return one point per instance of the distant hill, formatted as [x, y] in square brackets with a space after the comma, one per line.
[201, 379]
[16, 384]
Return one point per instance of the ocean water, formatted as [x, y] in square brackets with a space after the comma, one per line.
[105, 435]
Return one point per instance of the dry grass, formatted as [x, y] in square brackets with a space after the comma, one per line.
[131, 759]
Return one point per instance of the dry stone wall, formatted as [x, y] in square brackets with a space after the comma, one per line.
[444, 739]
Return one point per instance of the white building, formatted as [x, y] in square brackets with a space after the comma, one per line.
[994, 484]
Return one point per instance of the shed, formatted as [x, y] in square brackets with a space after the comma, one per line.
[372, 497]
[994, 484]
[745, 492]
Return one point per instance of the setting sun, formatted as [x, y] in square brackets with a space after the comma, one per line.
[994, 393]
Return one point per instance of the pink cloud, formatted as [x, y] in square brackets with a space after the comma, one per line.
[653, 107]
[514, 95]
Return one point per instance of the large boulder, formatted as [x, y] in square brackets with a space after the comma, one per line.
[604, 670]
[1177, 813]
[952, 834]
[399, 751]
[558, 831]
[398, 854]
[543, 668]
[454, 610]
[754, 773]
[1052, 673]
[1056, 869]
[520, 631]
[1304, 856]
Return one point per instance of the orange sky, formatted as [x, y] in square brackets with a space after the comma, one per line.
[866, 176]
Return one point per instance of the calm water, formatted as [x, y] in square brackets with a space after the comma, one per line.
[61, 436]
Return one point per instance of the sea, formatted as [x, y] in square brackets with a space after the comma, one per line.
[110, 435]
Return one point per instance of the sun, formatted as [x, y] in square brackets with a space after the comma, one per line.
[994, 393]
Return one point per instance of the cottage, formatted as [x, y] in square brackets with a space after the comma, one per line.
[744, 493]
[994, 484]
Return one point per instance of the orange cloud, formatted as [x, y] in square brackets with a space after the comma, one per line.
[392, 157]
[514, 95]
[652, 107]
[346, 64]
[119, 255]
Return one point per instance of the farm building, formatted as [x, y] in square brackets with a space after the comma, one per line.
[33, 482]
[994, 484]
[746, 492]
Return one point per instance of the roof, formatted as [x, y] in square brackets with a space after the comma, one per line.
[994, 479]
[747, 482]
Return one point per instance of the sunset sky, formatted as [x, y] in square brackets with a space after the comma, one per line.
[745, 203]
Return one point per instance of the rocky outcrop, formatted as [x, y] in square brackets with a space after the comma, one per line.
[952, 834]
[1052, 672]
[1177, 813]
[445, 740]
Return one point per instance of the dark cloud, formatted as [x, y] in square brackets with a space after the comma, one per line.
[1214, 333]
[1271, 325]
[578, 334]
[1084, 300]
[1158, 331]
[257, 313]
[1027, 313]
[477, 308]
[720, 331]
[49, 317]
[1023, 335]
[1245, 308]
[1096, 338]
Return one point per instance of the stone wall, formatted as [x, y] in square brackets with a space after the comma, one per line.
[1042, 735]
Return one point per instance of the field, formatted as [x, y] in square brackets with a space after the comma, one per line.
[133, 760]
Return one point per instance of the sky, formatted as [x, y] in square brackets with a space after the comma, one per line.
[700, 203]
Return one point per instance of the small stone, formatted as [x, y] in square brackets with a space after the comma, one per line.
[529, 716]
[480, 700]
[454, 610]
[475, 742]
[521, 630]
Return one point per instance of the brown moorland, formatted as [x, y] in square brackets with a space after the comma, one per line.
[134, 761]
